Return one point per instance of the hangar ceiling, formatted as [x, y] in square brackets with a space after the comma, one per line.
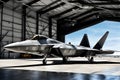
[73, 15]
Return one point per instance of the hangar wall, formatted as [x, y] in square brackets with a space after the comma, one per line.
[11, 26]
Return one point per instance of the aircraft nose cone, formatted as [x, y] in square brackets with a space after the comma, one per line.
[7, 46]
[21, 47]
[11, 47]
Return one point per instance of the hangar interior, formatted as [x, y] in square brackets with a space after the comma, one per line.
[21, 19]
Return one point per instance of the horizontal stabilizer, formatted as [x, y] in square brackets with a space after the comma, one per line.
[101, 42]
[85, 41]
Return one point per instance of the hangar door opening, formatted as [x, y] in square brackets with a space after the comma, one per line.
[95, 32]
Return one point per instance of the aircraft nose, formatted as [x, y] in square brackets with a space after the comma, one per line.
[9, 46]
[12, 46]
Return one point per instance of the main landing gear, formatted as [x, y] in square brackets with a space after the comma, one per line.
[65, 59]
[90, 59]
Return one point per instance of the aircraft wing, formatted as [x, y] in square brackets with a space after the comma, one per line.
[95, 51]
[108, 51]
[88, 49]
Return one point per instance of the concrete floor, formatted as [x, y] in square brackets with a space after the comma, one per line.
[105, 66]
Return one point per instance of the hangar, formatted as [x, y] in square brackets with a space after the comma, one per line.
[21, 19]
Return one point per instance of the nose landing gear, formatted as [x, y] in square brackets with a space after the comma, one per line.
[44, 59]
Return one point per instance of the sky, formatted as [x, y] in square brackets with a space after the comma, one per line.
[95, 32]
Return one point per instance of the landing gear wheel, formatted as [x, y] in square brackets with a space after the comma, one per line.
[91, 59]
[65, 59]
[44, 62]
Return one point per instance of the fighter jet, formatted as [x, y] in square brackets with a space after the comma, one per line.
[41, 44]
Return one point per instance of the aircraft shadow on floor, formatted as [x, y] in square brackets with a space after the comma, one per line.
[59, 62]
[84, 62]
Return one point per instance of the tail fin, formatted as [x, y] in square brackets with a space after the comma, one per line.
[85, 41]
[101, 42]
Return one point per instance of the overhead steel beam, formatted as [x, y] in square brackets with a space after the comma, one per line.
[86, 12]
[50, 28]
[1, 26]
[84, 1]
[72, 17]
[27, 4]
[101, 2]
[23, 30]
[113, 9]
[47, 6]
[32, 2]
[37, 23]
[64, 12]
[51, 8]
[88, 16]
[66, 17]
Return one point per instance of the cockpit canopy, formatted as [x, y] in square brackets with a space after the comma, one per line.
[45, 40]
[42, 39]
[39, 37]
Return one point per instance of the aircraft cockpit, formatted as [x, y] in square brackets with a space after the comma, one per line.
[42, 39]
[45, 40]
[39, 37]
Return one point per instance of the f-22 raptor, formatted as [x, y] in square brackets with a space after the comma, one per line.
[41, 44]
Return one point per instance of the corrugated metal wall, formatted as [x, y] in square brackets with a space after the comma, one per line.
[12, 24]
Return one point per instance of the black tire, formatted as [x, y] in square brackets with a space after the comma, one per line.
[44, 62]
[91, 60]
[65, 59]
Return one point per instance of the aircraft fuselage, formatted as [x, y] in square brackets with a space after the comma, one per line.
[34, 46]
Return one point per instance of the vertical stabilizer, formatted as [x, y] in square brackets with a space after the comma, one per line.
[101, 42]
[85, 41]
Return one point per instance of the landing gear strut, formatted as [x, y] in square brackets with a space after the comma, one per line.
[91, 59]
[44, 59]
[65, 59]
[45, 56]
